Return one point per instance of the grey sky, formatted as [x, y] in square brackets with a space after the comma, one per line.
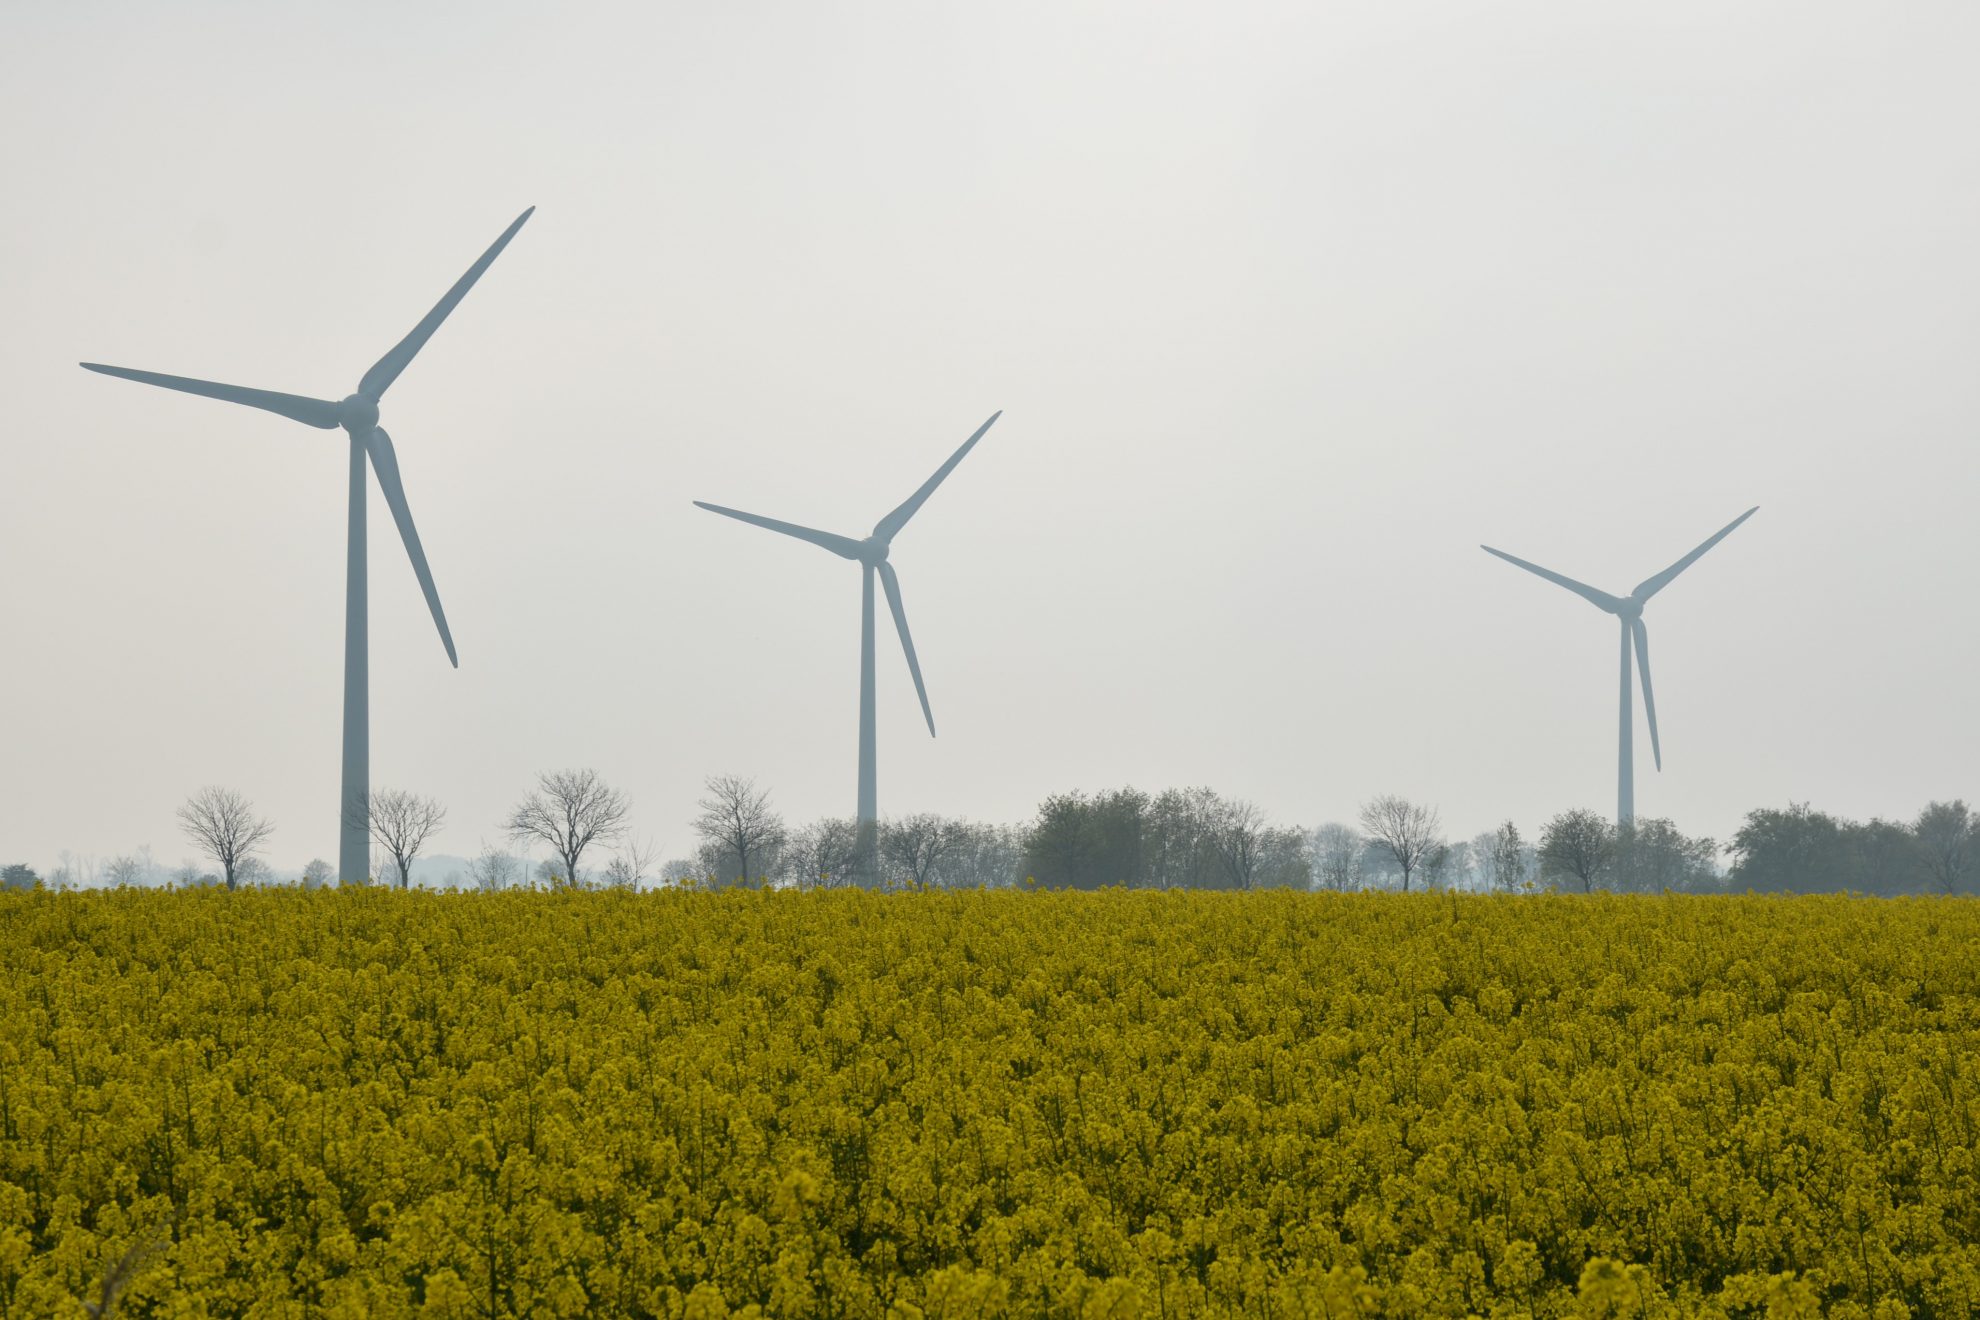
[1288, 307]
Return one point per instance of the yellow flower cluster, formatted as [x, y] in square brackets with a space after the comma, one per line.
[1111, 1104]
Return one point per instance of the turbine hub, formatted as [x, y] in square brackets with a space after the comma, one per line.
[1631, 608]
[873, 550]
[359, 414]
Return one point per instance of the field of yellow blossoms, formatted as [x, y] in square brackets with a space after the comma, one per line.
[1114, 1104]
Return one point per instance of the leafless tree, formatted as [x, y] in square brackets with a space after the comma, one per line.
[630, 867]
[125, 871]
[494, 869]
[915, 848]
[223, 824]
[1236, 837]
[984, 857]
[1404, 830]
[400, 823]
[680, 873]
[738, 827]
[72, 871]
[824, 853]
[1506, 859]
[1285, 860]
[319, 874]
[1948, 834]
[1179, 838]
[1337, 857]
[1577, 845]
[570, 811]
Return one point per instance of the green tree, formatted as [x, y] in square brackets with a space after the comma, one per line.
[1948, 837]
[1576, 848]
[1653, 856]
[1078, 842]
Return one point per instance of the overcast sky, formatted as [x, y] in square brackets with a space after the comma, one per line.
[1288, 308]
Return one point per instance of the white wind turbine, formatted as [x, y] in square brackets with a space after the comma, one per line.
[871, 555]
[357, 414]
[1629, 613]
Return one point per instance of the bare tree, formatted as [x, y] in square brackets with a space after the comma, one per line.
[1948, 834]
[494, 869]
[1402, 829]
[400, 823]
[570, 811]
[1179, 838]
[681, 873]
[223, 824]
[824, 853]
[629, 868]
[1506, 859]
[73, 871]
[1236, 837]
[1285, 860]
[915, 848]
[738, 827]
[319, 874]
[983, 856]
[1577, 844]
[125, 871]
[1337, 857]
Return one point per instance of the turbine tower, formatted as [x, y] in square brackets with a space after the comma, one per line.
[357, 414]
[1629, 613]
[871, 555]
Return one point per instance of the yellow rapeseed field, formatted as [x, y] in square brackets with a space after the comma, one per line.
[1113, 1104]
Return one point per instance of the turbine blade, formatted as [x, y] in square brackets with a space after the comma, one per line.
[1600, 599]
[320, 413]
[387, 369]
[893, 586]
[1650, 586]
[888, 526]
[1641, 635]
[385, 463]
[838, 545]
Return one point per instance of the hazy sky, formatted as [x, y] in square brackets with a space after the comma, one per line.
[1289, 307]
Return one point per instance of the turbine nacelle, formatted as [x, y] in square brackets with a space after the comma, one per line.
[872, 552]
[357, 414]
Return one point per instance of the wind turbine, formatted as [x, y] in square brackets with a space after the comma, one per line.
[357, 414]
[1629, 613]
[871, 555]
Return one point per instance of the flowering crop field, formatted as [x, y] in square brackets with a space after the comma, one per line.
[1115, 1104]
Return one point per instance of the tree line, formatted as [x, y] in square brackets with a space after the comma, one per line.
[1179, 838]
